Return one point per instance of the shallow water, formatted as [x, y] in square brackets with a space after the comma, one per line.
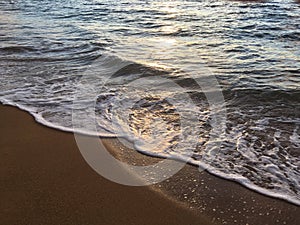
[146, 69]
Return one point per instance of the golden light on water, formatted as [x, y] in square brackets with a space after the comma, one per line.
[169, 9]
[165, 41]
[161, 49]
[169, 29]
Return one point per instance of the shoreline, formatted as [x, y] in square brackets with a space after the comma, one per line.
[45, 180]
[222, 201]
[190, 196]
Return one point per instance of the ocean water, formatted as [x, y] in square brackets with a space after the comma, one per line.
[216, 83]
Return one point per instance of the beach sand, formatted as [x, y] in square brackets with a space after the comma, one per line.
[45, 180]
[222, 201]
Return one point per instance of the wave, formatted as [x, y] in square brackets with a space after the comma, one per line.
[175, 112]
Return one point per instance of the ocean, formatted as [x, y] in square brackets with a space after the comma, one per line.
[213, 83]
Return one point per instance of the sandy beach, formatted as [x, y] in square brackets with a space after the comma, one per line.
[45, 180]
[215, 84]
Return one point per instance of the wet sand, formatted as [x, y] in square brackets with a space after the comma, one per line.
[220, 200]
[45, 180]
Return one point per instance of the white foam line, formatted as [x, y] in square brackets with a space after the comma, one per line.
[240, 179]
[38, 118]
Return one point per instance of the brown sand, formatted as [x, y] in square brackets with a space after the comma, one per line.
[222, 201]
[44, 180]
